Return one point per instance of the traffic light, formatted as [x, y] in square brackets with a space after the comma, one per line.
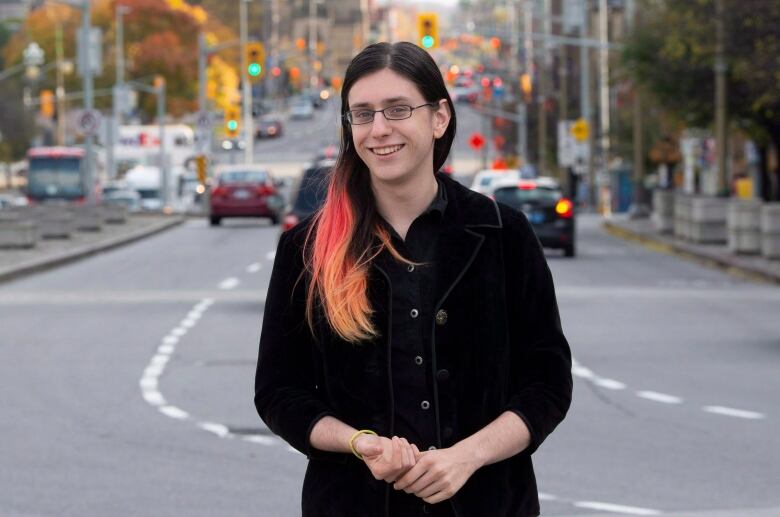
[428, 29]
[526, 86]
[47, 103]
[255, 59]
[200, 168]
[232, 121]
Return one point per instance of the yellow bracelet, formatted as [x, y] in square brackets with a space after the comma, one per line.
[352, 440]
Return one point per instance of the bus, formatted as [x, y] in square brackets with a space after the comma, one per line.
[140, 145]
[58, 174]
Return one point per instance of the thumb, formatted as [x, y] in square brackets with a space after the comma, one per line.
[367, 445]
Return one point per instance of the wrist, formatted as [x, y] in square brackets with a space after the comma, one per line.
[472, 452]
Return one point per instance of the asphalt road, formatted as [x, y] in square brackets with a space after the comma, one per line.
[127, 385]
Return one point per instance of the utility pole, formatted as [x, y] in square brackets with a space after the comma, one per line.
[203, 113]
[720, 97]
[246, 86]
[60, 92]
[88, 86]
[528, 46]
[585, 107]
[159, 88]
[639, 208]
[120, 93]
[544, 63]
[604, 85]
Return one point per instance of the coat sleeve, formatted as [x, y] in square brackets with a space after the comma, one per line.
[286, 396]
[540, 369]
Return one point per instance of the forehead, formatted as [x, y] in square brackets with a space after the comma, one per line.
[374, 89]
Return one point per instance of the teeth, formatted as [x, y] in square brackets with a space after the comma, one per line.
[387, 150]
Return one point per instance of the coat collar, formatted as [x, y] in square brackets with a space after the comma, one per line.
[467, 208]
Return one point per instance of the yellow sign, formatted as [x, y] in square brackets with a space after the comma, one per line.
[580, 130]
[200, 168]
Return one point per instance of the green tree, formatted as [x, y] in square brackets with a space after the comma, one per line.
[672, 54]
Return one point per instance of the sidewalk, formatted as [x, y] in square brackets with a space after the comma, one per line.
[50, 253]
[714, 255]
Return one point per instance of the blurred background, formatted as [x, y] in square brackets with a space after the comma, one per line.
[151, 152]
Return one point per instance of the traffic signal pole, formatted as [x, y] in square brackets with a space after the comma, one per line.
[246, 87]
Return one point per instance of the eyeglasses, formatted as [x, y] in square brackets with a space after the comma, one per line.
[366, 116]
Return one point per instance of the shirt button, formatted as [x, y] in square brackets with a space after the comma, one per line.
[418, 360]
[414, 313]
[410, 268]
[425, 404]
[432, 448]
[441, 317]
[442, 375]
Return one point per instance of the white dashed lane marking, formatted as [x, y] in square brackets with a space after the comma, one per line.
[615, 508]
[738, 413]
[271, 255]
[228, 283]
[659, 397]
[254, 268]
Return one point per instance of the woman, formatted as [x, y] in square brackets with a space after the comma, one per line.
[411, 346]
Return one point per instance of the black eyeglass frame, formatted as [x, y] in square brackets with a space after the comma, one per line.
[347, 116]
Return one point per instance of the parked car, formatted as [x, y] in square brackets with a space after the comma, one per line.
[269, 126]
[543, 203]
[244, 191]
[310, 193]
[301, 108]
[484, 179]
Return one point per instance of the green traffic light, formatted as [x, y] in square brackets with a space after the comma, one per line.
[232, 125]
[255, 69]
[427, 41]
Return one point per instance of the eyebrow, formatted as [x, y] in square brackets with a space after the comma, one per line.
[385, 102]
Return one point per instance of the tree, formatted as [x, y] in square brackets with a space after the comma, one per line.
[161, 37]
[672, 54]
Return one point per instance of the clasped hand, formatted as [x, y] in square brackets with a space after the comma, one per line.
[433, 476]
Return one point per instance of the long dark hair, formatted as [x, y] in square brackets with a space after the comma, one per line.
[342, 241]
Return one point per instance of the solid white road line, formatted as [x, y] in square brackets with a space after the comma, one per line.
[616, 508]
[254, 268]
[738, 413]
[659, 397]
[228, 283]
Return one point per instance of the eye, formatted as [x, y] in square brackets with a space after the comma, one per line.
[362, 115]
[398, 110]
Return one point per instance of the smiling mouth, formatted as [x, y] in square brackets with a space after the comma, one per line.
[388, 150]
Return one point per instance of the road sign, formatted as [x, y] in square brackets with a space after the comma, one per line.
[580, 130]
[476, 141]
[88, 122]
[95, 44]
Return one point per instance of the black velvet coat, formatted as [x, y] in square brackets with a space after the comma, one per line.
[501, 341]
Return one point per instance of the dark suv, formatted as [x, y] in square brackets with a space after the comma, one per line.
[543, 203]
[310, 193]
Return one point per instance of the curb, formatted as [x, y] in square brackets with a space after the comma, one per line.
[45, 263]
[663, 245]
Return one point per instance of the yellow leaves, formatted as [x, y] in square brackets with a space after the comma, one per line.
[222, 83]
[195, 12]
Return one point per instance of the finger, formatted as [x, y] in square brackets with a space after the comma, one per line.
[368, 446]
[417, 453]
[437, 497]
[408, 454]
[430, 490]
[410, 477]
[424, 482]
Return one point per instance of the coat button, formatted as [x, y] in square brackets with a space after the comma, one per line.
[426, 509]
[443, 375]
[410, 268]
[418, 360]
[414, 313]
[425, 404]
[441, 317]
[432, 448]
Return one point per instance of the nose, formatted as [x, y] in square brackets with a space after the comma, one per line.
[380, 126]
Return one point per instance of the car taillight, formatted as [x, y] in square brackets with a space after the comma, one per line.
[264, 190]
[289, 221]
[564, 208]
[526, 186]
[219, 192]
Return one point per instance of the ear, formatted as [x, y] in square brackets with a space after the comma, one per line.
[441, 119]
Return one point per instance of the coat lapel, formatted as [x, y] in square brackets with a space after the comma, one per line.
[455, 252]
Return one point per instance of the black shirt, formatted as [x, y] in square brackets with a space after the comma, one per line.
[410, 347]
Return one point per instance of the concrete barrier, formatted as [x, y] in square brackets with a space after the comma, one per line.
[663, 210]
[87, 218]
[15, 233]
[114, 214]
[708, 220]
[682, 215]
[770, 230]
[743, 221]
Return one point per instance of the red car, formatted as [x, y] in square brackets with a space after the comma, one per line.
[244, 191]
